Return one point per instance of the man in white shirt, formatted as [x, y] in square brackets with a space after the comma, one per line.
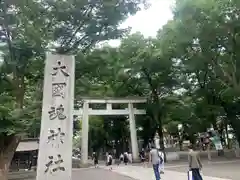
[154, 160]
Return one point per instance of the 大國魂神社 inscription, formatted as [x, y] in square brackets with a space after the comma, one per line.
[54, 164]
[57, 113]
[56, 137]
[58, 89]
[55, 146]
[61, 68]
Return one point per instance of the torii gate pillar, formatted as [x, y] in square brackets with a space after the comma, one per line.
[133, 133]
[85, 129]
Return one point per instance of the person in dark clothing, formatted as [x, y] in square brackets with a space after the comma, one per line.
[142, 157]
[195, 164]
[121, 158]
[125, 158]
[95, 159]
[109, 161]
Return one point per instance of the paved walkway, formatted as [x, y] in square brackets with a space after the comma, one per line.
[78, 174]
[227, 170]
[222, 169]
[141, 173]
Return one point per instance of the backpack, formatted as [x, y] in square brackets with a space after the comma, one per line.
[125, 157]
[160, 157]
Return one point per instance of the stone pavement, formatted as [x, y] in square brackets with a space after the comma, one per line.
[228, 169]
[224, 170]
[97, 174]
[78, 174]
[141, 173]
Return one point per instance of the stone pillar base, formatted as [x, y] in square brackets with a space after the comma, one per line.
[136, 161]
[85, 165]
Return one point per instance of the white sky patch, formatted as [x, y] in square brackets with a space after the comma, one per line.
[149, 21]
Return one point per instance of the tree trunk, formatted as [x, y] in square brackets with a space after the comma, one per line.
[209, 152]
[234, 121]
[160, 133]
[227, 136]
[161, 138]
[7, 151]
[235, 125]
[156, 113]
[158, 121]
[3, 169]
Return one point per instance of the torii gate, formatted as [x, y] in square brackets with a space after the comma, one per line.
[85, 112]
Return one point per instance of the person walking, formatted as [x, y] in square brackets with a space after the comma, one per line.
[95, 159]
[161, 164]
[109, 161]
[195, 164]
[154, 160]
[121, 158]
[125, 158]
[142, 157]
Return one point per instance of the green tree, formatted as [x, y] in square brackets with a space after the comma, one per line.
[21, 52]
[28, 29]
[206, 42]
[97, 133]
[96, 21]
[150, 64]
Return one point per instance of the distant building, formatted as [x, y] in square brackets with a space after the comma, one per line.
[25, 156]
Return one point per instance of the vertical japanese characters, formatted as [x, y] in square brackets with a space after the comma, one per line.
[56, 113]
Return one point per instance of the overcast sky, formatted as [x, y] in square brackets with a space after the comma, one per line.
[149, 21]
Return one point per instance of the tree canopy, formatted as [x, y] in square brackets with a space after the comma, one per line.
[188, 72]
[28, 29]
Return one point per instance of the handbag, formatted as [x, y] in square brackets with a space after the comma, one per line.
[190, 176]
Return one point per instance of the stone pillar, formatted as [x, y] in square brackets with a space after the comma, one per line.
[55, 146]
[133, 133]
[84, 138]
